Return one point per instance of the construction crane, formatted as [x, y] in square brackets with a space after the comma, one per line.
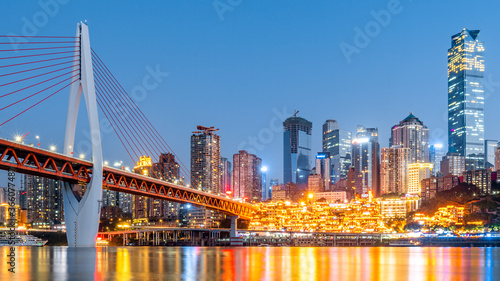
[206, 130]
[295, 114]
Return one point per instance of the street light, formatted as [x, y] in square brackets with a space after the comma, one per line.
[52, 148]
[82, 155]
[38, 140]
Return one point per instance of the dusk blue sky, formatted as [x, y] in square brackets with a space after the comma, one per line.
[235, 70]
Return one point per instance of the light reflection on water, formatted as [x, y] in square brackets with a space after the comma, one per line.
[252, 263]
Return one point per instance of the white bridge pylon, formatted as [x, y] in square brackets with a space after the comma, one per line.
[82, 214]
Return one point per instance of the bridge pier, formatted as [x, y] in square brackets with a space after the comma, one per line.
[82, 213]
[234, 220]
[235, 240]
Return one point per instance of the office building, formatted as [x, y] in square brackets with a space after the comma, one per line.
[416, 173]
[413, 134]
[205, 159]
[324, 168]
[226, 175]
[497, 159]
[479, 178]
[272, 183]
[452, 164]
[297, 157]
[264, 189]
[394, 169]
[331, 196]
[339, 144]
[366, 161]
[247, 176]
[466, 98]
[433, 185]
[436, 153]
[490, 147]
[168, 169]
[315, 183]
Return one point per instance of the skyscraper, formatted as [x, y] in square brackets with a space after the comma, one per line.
[416, 173]
[436, 154]
[466, 98]
[497, 161]
[226, 173]
[413, 134]
[366, 161]
[44, 202]
[339, 144]
[247, 176]
[490, 146]
[452, 164]
[394, 169]
[168, 169]
[205, 159]
[206, 175]
[297, 151]
[323, 168]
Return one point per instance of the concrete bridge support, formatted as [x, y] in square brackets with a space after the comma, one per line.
[82, 212]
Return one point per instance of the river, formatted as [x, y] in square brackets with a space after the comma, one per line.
[252, 263]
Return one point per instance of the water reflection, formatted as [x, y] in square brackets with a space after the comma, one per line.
[256, 263]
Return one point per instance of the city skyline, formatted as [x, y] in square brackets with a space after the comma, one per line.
[277, 100]
[209, 135]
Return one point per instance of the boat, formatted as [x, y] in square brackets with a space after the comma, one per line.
[404, 243]
[22, 240]
[101, 242]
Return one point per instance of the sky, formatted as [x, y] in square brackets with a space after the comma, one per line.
[245, 66]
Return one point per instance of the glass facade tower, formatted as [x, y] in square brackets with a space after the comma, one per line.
[339, 144]
[466, 98]
[366, 161]
[297, 155]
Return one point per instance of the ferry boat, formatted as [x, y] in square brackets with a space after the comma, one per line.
[404, 243]
[23, 240]
[101, 242]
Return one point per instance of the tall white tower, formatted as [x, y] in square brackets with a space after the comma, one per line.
[82, 214]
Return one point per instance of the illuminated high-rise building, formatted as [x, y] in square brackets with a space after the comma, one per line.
[339, 144]
[413, 134]
[394, 169]
[416, 173]
[205, 160]
[226, 174]
[206, 175]
[323, 168]
[436, 153]
[453, 164]
[247, 176]
[168, 169]
[466, 98]
[297, 157]
[490, 146]
[497, 159]
[44, 202]
[366, 161]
